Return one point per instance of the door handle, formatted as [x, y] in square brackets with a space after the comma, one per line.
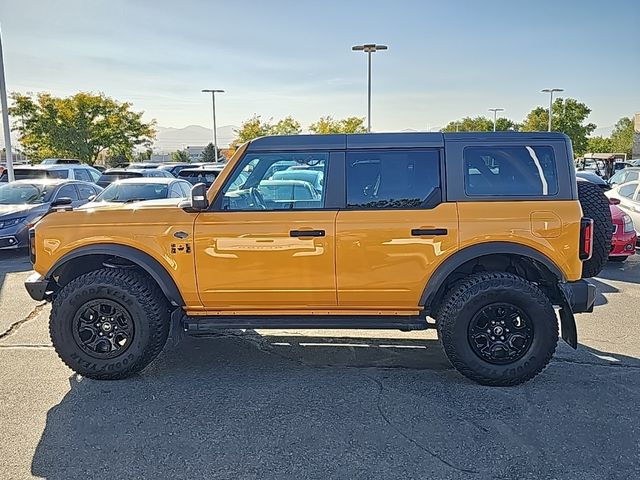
[418, 232]
[306, 233]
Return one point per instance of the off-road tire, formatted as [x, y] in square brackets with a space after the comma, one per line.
[478, 291]
[595, 205]
[138, 295]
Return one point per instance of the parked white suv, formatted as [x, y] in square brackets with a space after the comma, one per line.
[82, 172]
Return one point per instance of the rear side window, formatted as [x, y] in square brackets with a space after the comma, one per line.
[82, 174]
[68, 191]
[398, 179]
[85, 191]
[628, 190]
[514, 171]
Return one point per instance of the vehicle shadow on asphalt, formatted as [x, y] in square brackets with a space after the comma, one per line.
[243, 405]
[628, 271]
[12, 261]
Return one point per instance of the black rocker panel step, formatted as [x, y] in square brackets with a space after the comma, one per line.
[198, 325]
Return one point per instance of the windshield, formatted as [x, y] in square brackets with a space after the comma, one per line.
[20, 193]
[131, 192]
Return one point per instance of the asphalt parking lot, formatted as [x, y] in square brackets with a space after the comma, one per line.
[321, 404]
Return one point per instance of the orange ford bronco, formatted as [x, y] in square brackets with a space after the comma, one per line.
[483, 236]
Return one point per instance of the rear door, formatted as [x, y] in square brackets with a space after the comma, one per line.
[395, 229]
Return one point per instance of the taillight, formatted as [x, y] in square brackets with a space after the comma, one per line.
[586, 238]
[32, 245]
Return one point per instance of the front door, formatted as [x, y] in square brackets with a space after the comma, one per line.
[268, 241]
[394, 231]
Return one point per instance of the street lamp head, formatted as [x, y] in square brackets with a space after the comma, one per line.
[551, 90]
[369, 47]
[496, 109]
[212, 91]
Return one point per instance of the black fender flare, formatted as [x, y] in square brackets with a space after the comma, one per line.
[143, 260]
[469, 253]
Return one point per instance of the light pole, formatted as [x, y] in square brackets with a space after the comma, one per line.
[215, 134]
[368, 48]
[5, 117]
[495, 113]
[550, 92]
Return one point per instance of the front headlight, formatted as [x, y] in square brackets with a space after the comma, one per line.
[628, 224]
[12, 222]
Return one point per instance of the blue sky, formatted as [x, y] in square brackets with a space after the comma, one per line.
[276, 58]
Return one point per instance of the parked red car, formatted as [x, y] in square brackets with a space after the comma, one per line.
[623, 242]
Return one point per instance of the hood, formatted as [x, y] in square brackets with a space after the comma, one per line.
[8, 210]
[144, 204]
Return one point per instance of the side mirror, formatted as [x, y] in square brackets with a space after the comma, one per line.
[91, 198]
[61, 202]
[199, 200]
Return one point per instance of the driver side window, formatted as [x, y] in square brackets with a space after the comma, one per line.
[277, 181]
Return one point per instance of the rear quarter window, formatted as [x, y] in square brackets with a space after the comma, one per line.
[510, 170]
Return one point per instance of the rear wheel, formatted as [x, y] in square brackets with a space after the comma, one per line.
[498, 329]
[595, 205]
[109, 324]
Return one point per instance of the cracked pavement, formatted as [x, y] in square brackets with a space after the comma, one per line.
[321, 404]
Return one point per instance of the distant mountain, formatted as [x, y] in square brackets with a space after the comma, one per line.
[170, 139]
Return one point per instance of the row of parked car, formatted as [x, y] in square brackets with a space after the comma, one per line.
[623, 191]
[63, 183]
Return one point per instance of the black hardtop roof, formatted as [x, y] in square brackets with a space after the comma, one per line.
[387, 140]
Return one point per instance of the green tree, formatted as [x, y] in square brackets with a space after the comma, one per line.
[181, 156]
[470, 124]
[622, 136]
[286, 126]
[569, 117]
[252, 128]
[209, 153]
[81, 126]
[503, 124]
[327, 125]
[599, 145]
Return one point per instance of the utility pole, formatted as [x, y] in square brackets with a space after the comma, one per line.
[368, 48]
[215, 133]
[550, 92]
[5, 117]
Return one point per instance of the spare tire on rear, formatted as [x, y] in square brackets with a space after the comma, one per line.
[595, 205]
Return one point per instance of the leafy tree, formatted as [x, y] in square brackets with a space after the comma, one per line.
[81, 126]
[209, 153]
[599, 145]
[286, 126]
[569, 117]
[327, 125]
[252, 128]
[480, 124]
[181, 156]
[503, 124]
[622, 136]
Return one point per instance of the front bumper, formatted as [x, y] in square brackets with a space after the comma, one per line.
[580, 294]
[37, 287]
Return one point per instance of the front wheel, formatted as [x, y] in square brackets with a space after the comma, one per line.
[498, 329]
[109, 324]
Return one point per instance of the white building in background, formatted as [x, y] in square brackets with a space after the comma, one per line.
[160, 157]
[195, 153]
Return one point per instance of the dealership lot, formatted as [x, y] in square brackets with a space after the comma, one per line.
[321, 404]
